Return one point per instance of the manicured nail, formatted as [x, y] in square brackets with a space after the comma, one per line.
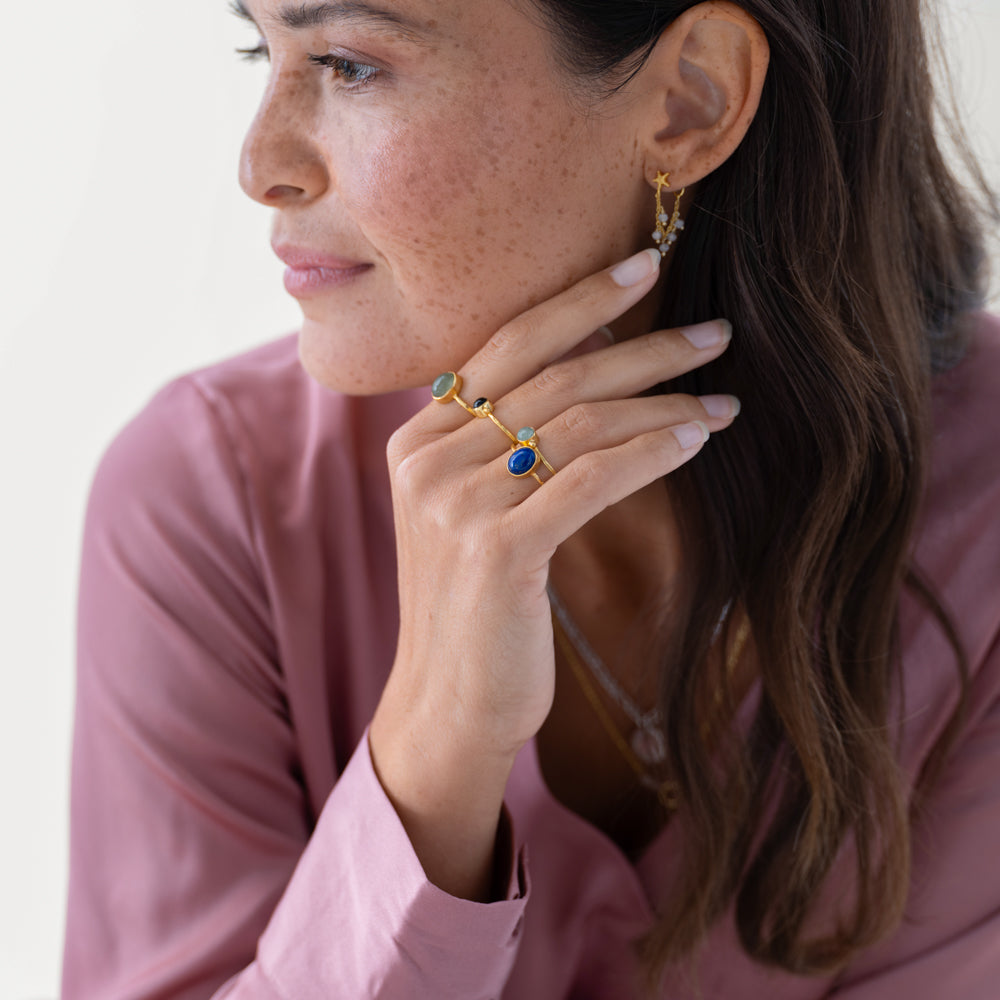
[711, 334]
[607, 331]
[722, 406]
[630, 272]
[691, 435]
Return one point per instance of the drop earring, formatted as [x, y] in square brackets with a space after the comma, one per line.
[667, 226]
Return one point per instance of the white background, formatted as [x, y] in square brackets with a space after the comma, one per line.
[128, 255]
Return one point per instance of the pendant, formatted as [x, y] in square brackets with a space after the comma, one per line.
[665, 791]
[649, 745]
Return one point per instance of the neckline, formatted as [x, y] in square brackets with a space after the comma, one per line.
[633, 873]
[649, 872]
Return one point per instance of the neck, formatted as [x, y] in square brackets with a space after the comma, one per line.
[612, 570]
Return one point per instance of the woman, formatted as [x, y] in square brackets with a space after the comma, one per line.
[569, 701]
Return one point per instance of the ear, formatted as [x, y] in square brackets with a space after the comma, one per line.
[700, 89]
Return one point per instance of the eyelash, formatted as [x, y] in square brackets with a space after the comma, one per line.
[350, 73]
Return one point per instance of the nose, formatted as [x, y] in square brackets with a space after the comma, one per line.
[281, 162]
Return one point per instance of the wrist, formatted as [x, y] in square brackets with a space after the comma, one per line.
[448, 791]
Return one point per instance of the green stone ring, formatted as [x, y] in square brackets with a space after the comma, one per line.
[446, 387]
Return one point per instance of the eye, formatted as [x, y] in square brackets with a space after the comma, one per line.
[259, 51]
[346, 70]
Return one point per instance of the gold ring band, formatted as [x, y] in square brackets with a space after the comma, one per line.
[484, 408]
[446, 387]
[525, 455]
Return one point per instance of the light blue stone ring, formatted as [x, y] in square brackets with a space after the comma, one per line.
[527, 437]
[525, 457]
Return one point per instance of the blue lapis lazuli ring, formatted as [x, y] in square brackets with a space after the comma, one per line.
[522, 461]
[527, 437]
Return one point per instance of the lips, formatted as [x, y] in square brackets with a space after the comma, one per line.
[311, 272]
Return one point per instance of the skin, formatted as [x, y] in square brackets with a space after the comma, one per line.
[484, 188]
[443, 196]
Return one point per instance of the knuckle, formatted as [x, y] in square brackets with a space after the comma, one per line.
[584, 293]
[505, 344]
[399, 447]
[560, 379]
[408, 473]
[592, 472]
[687, 405]
[418, 470]
[581, 421]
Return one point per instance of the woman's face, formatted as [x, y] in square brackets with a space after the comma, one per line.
[445, 168]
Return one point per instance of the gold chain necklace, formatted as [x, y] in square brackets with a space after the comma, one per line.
[666, 791]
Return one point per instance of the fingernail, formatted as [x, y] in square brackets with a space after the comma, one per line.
[607, 331]
[711, 334]
[691, 435]
[630, 272]
[722, 406]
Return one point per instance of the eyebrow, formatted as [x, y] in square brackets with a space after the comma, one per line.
[318, 15]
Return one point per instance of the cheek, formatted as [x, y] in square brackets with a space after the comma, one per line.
[478, 213]
[464, 193]
[419, 186]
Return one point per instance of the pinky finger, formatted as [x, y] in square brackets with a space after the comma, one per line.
[600, 479]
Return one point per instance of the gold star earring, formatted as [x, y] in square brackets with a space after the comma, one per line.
[667, 226]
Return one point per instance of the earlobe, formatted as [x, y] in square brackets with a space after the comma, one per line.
[703, 83]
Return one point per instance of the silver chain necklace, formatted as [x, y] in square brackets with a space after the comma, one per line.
[647, 740]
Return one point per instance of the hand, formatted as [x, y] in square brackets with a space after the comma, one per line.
[474, 674]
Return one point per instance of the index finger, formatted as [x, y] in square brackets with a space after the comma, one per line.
[524, 346]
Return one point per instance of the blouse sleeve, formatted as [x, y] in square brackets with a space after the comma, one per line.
[193, 868]
[949, 942]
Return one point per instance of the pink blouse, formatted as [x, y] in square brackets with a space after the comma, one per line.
[237, 622]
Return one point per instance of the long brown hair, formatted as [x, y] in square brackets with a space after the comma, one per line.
[840, 245]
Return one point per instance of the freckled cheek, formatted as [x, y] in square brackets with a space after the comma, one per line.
[407, 187]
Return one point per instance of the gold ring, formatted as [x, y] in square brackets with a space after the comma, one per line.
[446, 387]
[482, 407]
[527, 437]
[524, 457]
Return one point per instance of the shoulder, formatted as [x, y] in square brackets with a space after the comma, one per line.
[243, 436]
[957, 545]
[964, 398]
[963, 488]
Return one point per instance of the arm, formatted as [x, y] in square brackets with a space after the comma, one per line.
[192, 861]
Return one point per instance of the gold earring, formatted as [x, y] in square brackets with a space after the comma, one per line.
[667, 226]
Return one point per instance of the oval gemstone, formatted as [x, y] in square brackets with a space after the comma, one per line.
[649, 745]
[526, 433]
[482, 401]
[442, 385]
[522, 461]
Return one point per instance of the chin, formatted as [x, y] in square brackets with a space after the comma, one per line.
[350, 368]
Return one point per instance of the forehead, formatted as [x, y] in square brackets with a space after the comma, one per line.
[412, 18]
[492, 36]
